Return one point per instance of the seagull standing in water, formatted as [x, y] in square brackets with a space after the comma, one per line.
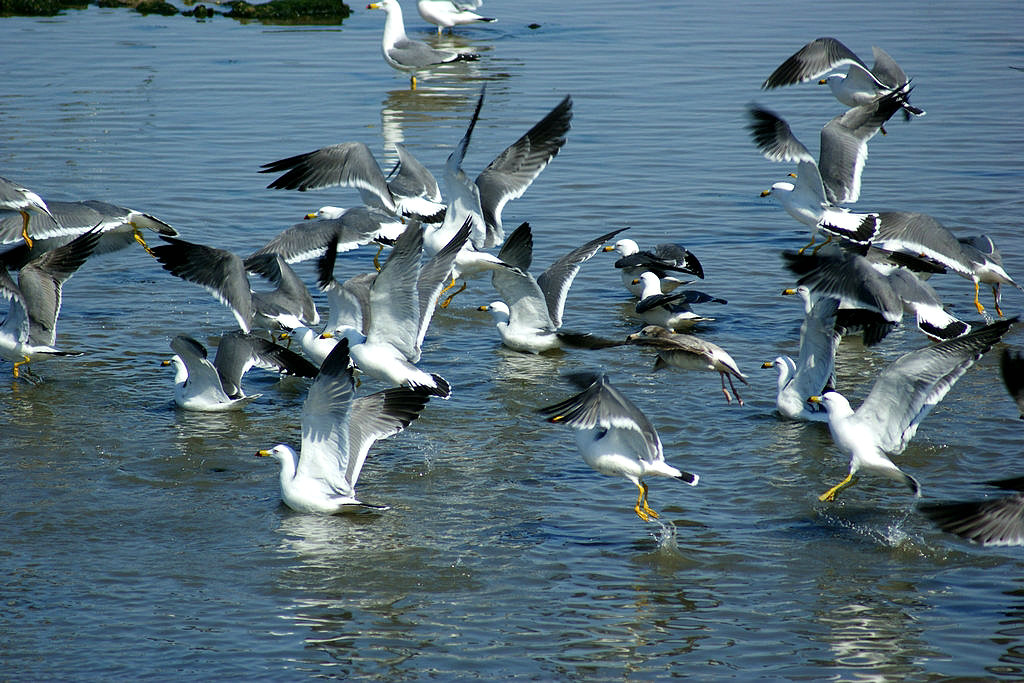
[403, 53]
[671, 311]
[900, 398]
[615, 437]
[215, 387]
[29, 331]
[814, 368]
[337, 432]
[530, 315]
[670, 262]
[447, 14]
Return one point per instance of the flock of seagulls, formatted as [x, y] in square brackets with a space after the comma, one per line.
[870, 272]
[873, 273]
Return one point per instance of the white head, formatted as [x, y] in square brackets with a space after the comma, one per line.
[833, 81]
[625, 247]
[326, 213]
[651, 284]
[284, 455]
[499, 311]
[180, 371]
[834, 403]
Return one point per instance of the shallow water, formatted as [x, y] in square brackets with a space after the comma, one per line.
[139, 540]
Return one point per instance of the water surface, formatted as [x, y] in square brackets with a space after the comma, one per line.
[137, 540]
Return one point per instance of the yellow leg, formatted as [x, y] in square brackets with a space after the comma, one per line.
[17, 372]
[642, 509]
[977, 303]
[24, 229]
[138, 238]
[448, 301]
[831, 493]
[829, 239]
[802, 249]
[376, 257]
[412, 82]
[448, 286]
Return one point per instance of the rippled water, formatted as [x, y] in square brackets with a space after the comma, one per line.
[137, 540]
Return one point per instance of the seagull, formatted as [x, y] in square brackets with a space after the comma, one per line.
[412, 190]
[451, 13]
[507, 177]
[922, 236]
[988, 265]
[814, 370]
[874, 294]
[347, 229]
[1011, 364]
[214, 387]
[667, 260]
[902, 395]
[867, 301]
[671, 311]
[530, 314]
[15, 197]
[687, 352]
[337, 432]
[119, 226]
[405, 54]
[225, 276]
[835, 179]
[29, 331]
[402, 300]
[859, 85]
[615, 437]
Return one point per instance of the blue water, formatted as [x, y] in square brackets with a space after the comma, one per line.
[137, 540]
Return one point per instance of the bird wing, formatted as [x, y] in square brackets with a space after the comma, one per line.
[308, 239]
[1011, 365]
[813, 60]
[556, 280]
[203, 377]
[886, 71]
[415, 54]
[377, 417]
[907, 390]
[219, 272]
[999, 521]
[41, 282]
[463, 194]
[415, 188]
[601, 406]
[510, 173]
[348, 164]
[818, 343]
[238, 352]
[326, 413]
[394, 301]
[528, 309]
[920, 235]
[844, 145]
[290, 298]
[433, 276]
[16, 322]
